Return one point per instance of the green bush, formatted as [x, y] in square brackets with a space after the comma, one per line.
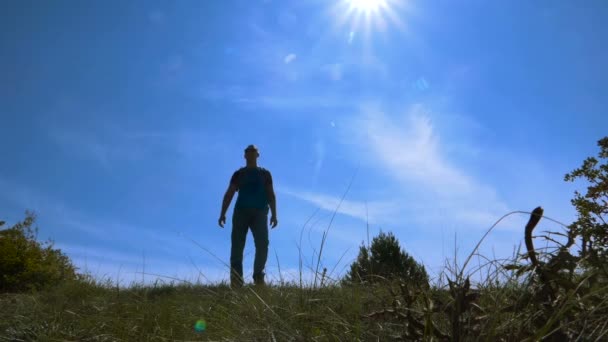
[26, 264]
[592, 208]
[385, 260]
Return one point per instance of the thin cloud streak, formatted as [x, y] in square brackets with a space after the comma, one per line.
[106, 144]
[290, 58]
[95, 230]
[272, 100]
[109, 145]
[376, 211]
[319, 157]
[408, 149]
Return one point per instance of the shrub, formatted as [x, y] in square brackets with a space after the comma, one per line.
[385, 260]
[26, 264]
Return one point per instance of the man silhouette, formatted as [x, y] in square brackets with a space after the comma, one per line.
[256, 195]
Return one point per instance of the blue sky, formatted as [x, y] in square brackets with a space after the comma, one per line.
[122, 122]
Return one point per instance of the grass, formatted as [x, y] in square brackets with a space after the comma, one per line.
[494, 311]
[511, 302]
[88, 311]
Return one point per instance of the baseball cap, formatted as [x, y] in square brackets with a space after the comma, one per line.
[251, 148]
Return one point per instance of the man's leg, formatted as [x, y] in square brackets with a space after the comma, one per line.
[259, 230]
[238, 238]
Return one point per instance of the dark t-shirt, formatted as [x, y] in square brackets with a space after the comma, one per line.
[251, 184]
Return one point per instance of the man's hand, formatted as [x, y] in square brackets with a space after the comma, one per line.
[273, 222]
[232, 188]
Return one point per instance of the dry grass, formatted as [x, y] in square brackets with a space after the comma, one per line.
[81, 311]
[512, 302]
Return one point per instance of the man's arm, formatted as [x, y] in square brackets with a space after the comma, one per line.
[272, 200]
[232, 188]
[228, 198]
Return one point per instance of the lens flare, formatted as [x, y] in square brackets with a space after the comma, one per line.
[200, 326]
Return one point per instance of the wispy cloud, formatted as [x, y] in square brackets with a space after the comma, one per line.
[53, 212]
[144, 260]
[290, 58]
[277, 101]
[28, 199]
[410, 151]
[109, 255]
[174, 64]
[374, 211]
[111, 143]
[334, 71]
[146, 271]
[103, 142]
[107, 245]
[318, 160]
[156, 17]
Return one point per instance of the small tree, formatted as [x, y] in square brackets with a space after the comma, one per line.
[385, 259]
[25, 264]
[592, 207]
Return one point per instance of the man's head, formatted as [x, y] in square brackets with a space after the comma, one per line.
[251, 153]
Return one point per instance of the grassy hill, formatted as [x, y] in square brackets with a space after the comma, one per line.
[513, 309]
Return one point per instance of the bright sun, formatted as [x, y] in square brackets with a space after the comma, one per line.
[367, 5]
[362, 17]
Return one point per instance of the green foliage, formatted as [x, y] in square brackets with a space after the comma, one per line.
[79, 311]
[26, 264]
[385, 259]
[592, 207]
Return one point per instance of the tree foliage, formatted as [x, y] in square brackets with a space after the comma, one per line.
[592, 207]
[26, 264]
[385, 259]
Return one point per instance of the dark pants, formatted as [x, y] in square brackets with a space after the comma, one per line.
[242, 220]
